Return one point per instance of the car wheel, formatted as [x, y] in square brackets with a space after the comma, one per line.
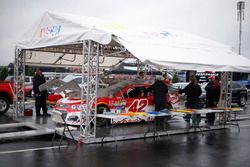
[100, 110]
[4, 105]
[243, 101]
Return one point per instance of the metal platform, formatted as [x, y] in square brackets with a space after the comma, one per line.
[32, 126]
[38, 126]
[154, 135]
[22, 130]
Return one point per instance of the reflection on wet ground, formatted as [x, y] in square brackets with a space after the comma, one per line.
[223, 148]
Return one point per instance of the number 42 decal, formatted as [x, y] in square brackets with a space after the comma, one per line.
[138, 105]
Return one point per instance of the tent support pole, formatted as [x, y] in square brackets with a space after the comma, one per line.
[19, 73]
[89, 92]
[226, 90]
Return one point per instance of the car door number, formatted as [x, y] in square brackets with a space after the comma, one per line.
[138, 105]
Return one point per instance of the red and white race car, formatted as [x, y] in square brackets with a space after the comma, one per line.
[116, 98]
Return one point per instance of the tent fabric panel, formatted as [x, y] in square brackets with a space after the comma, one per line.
[55, 29]
[157, 46]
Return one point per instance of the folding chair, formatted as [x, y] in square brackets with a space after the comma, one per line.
[61, 128]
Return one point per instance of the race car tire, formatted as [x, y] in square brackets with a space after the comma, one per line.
[242, 101]
[4, 105]
[100, 110]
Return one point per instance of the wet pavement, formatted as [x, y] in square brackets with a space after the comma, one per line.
[4, 119]
[222, 148]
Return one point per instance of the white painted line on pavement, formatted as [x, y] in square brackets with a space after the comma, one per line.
[33, 149]
[242, 126]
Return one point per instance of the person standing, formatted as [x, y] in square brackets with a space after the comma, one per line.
[166, 80]
[160, 90]
[40, 96]
[212, 97]
[192, 91]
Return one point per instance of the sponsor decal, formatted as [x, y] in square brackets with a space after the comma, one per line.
[121, 28]
[112, 27]
[120, 120]
[50, 31]
[164, 34]
[174, 98]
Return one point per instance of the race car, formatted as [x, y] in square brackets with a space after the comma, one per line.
[121, 97]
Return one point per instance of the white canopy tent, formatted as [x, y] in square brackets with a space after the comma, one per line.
[156, 46]
[59, 39]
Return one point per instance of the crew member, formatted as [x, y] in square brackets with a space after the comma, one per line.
[40, 96]
[193, 91]
[160, 90]
[213, 96]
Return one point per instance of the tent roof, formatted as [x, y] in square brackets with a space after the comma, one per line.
[56, 39]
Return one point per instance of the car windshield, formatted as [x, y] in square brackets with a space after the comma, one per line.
[136, 92]
[236, 85]
[79, 80]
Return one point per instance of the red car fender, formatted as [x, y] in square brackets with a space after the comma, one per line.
[103, 101]
[54, 97]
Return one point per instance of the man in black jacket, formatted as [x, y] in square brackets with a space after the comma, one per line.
[193, 91]
[40, 96]
[213, 96]
[160, 90]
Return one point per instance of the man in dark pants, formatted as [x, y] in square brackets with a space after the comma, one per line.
[160, 90]
[193, 91]
[213, 96]
[40, 96]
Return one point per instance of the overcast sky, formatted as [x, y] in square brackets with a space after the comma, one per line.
[213, 19]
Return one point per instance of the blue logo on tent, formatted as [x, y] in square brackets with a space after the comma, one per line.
[165, 33]
[50, 31]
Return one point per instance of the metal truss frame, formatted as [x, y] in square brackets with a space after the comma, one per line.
[90, 68]
[92, 52]
[143, 67]
[19, 73]
[226, 90]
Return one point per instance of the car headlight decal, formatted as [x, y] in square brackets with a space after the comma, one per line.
[76, 107]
